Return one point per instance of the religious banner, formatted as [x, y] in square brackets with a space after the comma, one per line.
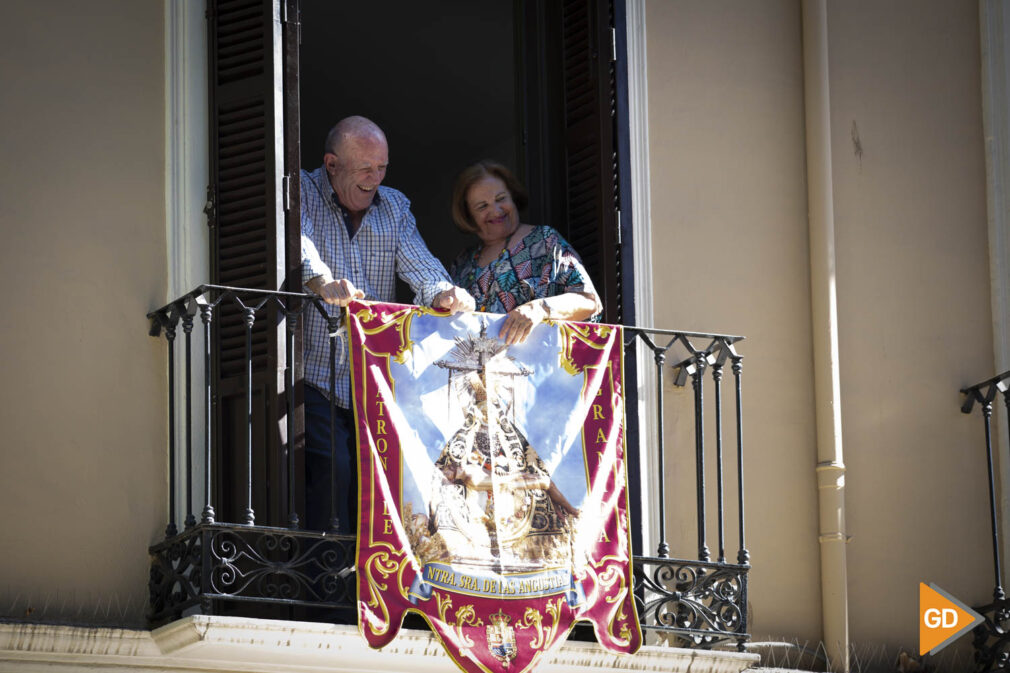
[492, 483]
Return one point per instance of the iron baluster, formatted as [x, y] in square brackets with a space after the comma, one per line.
[206, 315]
[250, 319]
[333, 325]
[208, 557]
[987, 421]
[663, 549]
[742, 556]
[717, 380]
[697, 382]
[992, 637]
[1004, 386]
[187, 328]
[999, 594]
[171, 528]
[292, 325]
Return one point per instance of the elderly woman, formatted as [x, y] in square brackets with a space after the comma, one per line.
[529, 272]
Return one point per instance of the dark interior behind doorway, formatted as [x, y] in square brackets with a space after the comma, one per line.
[439, 78]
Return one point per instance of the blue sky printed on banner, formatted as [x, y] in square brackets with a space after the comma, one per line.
[544, 400]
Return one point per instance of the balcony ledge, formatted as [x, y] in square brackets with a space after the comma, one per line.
[212, 643]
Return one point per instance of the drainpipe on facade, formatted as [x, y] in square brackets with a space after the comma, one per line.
[830, 471]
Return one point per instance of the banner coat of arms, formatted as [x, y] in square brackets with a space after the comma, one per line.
[492, 483]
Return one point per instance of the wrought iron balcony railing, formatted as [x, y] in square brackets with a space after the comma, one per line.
[991, 637]
[283, 571]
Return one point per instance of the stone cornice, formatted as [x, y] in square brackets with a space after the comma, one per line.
[207, 643]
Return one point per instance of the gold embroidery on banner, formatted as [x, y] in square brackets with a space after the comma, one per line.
[404, 589]
[554, 610]
[608, 578]
[466, 615]
[427, 310]
[444, 603]
[570, 332]
[399, 321]
[384, 566]
[533, 619]
[406, 344]
[365, 315]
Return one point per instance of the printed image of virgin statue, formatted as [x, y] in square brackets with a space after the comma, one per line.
[493, 503]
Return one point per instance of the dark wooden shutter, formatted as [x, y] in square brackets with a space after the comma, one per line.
[591, 174]
[251, 246]
[570, 127]
[576, 154]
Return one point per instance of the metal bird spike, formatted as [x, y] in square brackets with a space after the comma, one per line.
[473, 353]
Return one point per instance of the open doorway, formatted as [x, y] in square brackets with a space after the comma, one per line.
[441, 81]
[535, 84]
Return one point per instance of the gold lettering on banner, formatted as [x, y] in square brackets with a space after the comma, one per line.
[382, 446]
[601, 437]
[598, 412]
[603, 535]
[491, 586]
[439, 575]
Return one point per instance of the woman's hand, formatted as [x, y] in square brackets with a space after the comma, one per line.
[521, 320]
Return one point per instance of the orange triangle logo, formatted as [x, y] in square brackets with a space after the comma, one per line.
[942, 619]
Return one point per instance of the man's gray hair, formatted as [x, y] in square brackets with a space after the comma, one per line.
[351, 127]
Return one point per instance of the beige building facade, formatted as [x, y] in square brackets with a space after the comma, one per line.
[733, 236]
[826, 179]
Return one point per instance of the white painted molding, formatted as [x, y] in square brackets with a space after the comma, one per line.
[186, 145]
[205, 643]
[186, 177]
[994, 21]
[638, 123]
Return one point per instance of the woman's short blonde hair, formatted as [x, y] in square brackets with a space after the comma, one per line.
[470, 175]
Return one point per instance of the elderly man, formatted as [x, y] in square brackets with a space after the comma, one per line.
[357, 236]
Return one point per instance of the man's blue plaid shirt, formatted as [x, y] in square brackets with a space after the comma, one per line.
[386, 244]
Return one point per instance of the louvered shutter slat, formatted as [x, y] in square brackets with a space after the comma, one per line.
[251, 242]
